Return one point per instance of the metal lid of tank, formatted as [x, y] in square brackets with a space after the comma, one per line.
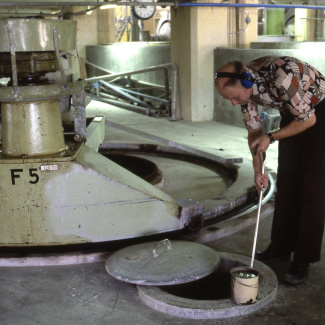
[163, 263]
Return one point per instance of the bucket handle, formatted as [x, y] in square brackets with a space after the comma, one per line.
[163, 243]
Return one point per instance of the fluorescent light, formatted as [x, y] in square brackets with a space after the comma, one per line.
[89, 12]
[108, 6]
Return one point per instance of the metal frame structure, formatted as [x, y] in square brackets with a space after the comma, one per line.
[147, 109]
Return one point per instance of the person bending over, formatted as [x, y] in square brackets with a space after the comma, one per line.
[297, 90]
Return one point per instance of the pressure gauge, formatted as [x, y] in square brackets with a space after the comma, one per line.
[142, 11]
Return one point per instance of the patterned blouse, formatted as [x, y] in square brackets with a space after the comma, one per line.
[284, 83]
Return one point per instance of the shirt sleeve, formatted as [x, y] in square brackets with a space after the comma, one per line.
[252, 119]
[294, 85]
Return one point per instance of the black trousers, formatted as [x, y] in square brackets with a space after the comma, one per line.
[299, 213]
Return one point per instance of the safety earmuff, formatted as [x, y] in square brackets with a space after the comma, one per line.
[246, 78]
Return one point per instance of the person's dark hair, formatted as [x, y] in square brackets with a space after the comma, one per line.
[238, 68]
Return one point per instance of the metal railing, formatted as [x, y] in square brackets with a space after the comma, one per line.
[164, 67]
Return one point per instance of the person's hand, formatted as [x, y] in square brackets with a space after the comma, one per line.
[261, 143]
[261, 180]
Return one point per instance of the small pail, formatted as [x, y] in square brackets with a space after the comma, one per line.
[244, 285]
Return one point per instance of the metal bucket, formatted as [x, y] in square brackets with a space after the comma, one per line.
[244, 285]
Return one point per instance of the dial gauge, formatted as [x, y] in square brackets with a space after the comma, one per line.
[142, 11]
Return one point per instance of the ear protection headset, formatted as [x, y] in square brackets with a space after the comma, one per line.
[246, 78]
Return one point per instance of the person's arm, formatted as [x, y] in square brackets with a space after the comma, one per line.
[293, 128]
[304, 114]
[261, 180]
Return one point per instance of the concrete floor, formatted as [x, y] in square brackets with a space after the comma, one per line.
[86, 294]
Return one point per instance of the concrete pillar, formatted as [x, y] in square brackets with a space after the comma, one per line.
[196, 32]
[305, 25]
[311, 25]
[106, 25]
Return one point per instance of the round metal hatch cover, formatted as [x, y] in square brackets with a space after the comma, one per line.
[163, 263]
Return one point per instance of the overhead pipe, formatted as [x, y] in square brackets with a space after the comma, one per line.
[80, 3]
[172, 4]
[246, 5]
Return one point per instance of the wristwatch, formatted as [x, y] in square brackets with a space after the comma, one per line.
[269, 134]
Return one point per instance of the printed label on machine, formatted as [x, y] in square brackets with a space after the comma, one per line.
[49, 167]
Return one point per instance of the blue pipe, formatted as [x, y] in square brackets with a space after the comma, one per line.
[246, 5]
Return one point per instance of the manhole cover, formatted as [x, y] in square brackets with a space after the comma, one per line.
[204, 303]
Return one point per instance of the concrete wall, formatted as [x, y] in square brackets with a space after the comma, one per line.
[223, 110]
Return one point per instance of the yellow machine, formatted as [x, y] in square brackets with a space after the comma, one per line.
[57, 189]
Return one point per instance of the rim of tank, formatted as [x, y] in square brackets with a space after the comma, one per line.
[236, 200]
[240, 195]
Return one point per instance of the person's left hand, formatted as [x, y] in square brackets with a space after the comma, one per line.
[261, 180]
[262, 143]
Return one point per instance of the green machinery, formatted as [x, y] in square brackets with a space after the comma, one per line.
[56, 189]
